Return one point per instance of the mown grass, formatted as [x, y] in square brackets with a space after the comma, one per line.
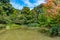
[22, 32]
[25, 35]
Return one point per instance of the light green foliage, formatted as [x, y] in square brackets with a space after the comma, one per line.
[2, 26]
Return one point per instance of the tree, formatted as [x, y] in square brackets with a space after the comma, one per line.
[5, 1]
[25, 10]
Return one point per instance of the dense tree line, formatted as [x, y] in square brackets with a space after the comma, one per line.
[43, 14]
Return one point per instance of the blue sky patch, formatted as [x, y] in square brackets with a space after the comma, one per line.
[19, 4]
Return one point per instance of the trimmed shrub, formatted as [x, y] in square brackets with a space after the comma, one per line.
[2, 26]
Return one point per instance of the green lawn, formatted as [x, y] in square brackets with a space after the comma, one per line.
[24, 35]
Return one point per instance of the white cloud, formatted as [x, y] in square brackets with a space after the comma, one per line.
[39, 2]
[31, 5]
[17, 6]
[28, 3]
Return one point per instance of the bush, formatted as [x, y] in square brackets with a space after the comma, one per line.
[59, 31]
[43, 30]
[34, 25]
[2, 26]
[55, 31]
[13, 26]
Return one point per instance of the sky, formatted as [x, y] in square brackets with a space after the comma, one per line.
[19, 4]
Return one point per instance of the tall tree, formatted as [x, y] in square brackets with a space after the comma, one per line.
[5, 1]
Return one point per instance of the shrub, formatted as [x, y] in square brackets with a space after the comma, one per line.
[2, 26]
[33, 25]
[13, 26]
[59, 31]
[55, 31]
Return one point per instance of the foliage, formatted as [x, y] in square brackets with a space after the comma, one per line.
[2, 26]
[46, 15]
[54, 31]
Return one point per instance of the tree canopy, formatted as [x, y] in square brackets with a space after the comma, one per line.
[43, 14]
